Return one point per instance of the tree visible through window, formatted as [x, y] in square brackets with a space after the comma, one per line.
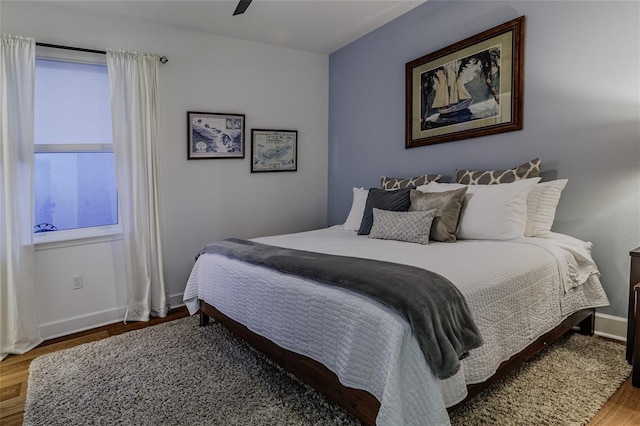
[74, 176]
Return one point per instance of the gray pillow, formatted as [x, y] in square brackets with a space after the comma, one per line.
[413, 227]
[397, 201]
[448, 205]
[527, 170]
[396, 183]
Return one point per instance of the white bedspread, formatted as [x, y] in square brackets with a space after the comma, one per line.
[516, 290]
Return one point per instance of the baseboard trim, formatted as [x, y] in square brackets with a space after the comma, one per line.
[611, 327]
[53, 329]
[76, 324]
[175, 300]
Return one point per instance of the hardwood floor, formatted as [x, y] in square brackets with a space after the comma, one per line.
[622, 409]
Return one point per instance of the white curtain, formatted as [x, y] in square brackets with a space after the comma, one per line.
[134, 103]
[18, 323]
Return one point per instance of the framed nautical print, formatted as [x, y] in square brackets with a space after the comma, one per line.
[214, 135]
[469, 89]
[274, 150]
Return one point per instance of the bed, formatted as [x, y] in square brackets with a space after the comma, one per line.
[522, 293]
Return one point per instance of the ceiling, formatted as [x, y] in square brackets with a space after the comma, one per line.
[321, 26]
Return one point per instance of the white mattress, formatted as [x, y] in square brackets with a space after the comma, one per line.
[516, 290]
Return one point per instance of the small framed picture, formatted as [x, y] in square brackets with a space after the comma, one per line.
[274, 150]
[214, 135]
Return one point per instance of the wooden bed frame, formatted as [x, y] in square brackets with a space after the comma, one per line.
[361, 403]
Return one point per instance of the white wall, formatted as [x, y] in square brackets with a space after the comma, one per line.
[202, 200]
[103, 298]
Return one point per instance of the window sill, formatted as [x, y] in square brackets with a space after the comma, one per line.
[76, 237]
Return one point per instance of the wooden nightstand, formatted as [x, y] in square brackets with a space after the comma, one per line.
[633, 324]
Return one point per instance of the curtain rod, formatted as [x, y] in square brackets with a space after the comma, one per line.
[163, 59]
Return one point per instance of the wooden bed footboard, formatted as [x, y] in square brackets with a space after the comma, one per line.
[361, 403]
[358, 402]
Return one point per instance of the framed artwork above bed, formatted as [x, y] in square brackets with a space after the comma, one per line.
[468, 89]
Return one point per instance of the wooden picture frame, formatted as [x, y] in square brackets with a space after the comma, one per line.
[274, 150]
[214, 135]
[468, 89]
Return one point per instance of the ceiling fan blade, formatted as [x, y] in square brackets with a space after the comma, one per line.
[242, 7]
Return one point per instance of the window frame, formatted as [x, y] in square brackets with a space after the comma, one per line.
[77, 236]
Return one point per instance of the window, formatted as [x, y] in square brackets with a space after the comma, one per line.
[74, 175]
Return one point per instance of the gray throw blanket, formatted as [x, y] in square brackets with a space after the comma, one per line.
[435, 308]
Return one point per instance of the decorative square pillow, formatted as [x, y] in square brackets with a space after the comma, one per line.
[412, 227]
[448, 206]
[490, 177]
[395, 183]
[541, 207]
[354, 219]
[397, 201]
[491, 212]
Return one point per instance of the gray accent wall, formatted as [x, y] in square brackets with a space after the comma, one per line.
[581, 115]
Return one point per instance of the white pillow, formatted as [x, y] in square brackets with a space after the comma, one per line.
[440, 187]
[541, 207]
[357, 209]
[491, 212]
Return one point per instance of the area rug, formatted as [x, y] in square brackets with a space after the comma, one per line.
[564, 385]
[153, 376]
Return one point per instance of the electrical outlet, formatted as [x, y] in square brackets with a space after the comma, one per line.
[77, 282]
